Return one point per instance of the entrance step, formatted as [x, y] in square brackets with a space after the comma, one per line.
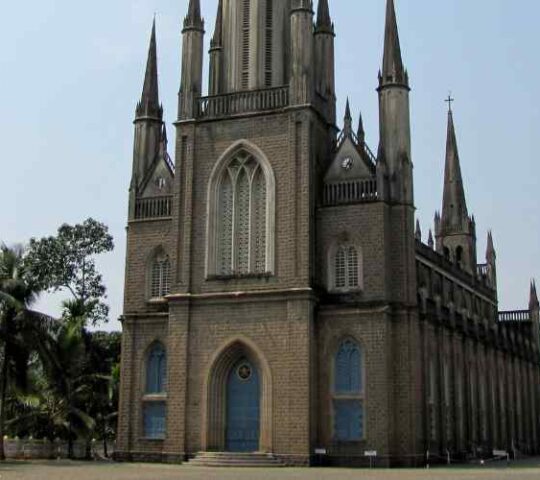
[232, 459]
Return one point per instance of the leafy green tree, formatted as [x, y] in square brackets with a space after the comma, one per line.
[20, 327]
[67, 262]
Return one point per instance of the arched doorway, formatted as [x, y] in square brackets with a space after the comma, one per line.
[238, 411]
[243, 408]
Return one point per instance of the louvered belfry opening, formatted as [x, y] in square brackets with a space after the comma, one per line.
[269, 33]
[246, 43]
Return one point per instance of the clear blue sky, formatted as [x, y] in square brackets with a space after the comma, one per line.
[72, 73]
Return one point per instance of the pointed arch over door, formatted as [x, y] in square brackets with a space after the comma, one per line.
[224, 366]
[241, 213]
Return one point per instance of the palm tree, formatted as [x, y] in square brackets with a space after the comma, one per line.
[64, 356]
[19, 325]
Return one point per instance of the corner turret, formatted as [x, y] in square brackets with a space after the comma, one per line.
[325, 83]
[192, 61]
[148, 119]
[302, 53]
[394, 114]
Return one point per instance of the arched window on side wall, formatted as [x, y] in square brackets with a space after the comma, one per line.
[348, 393]
[160, 282]
[154, 400]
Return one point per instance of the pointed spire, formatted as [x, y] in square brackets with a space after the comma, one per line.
[490, 251]
[347, 128]
[454, 212]
[430, 242]
[533, 298]
[418, 232]
[149, 105]
[361, 132]
[164, 139]
[324, 21]
[193, 18]
[392, 69]
[217, 39]
[437, 223]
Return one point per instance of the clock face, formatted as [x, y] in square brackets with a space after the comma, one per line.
[161, 183]
[347, 163]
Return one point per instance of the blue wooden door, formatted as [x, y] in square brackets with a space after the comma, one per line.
[243, 408]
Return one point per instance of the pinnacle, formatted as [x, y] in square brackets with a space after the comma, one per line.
[324, 21]
[361, 132]
[431, 243]
[533, 300]
[418, 232]
[149, 105]
[217, 39]
[490, 251]
[392, 69]
[193, 18]
[347, 129]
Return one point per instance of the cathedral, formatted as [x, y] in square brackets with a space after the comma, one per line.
[281, 307]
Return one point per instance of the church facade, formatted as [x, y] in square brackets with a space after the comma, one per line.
[278, 297]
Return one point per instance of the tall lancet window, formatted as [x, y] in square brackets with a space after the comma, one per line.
[242, 224]
[348, 393]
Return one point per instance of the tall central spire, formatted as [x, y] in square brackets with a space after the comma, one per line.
[149, 105]
[454, 212]
[393, 70]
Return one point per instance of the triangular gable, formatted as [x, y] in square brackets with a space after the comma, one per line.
[349, 163]
[158, 182]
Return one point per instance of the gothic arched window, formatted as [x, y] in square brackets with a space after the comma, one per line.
[348, 393]
[154, 406]
[346, 268]
[160, 281]
[241, 217]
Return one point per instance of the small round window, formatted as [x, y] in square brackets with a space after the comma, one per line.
[244, 372]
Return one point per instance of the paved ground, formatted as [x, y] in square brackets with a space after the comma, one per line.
[63, 470]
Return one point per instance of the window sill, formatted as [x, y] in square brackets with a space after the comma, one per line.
[349, 443]
[151, 439]
[345, 291]
[155, 397]
[157, 301]
[240, 276]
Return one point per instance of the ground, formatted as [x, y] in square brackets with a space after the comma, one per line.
[63, 470]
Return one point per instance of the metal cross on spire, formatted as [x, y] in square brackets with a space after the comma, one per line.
[449, 100]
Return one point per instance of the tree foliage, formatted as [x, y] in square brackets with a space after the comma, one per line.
[67, 262]
[20, 327]
[57, 379]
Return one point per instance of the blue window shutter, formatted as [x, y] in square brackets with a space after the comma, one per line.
[348, 369]
[355, 371]
[341, 428]
[348, 420]
[154, 420]
[356, 421]
[156, 370]
[342, 371]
